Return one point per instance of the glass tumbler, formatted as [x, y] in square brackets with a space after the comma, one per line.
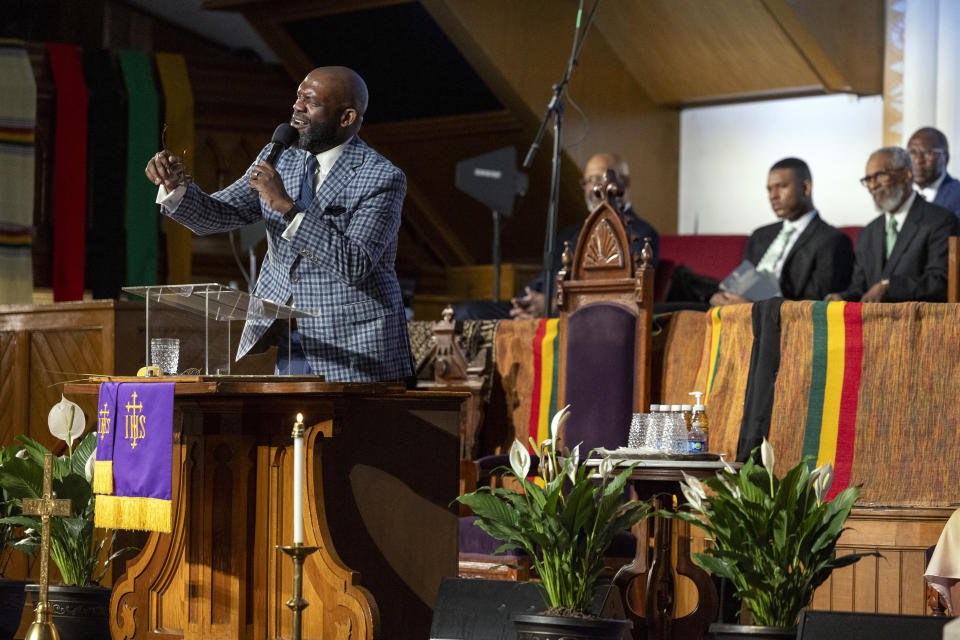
[638, 431]
[165, 353]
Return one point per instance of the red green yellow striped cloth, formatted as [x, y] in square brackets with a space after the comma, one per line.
[546, 353]
[18, 112]
[836, 365]
[714, 334]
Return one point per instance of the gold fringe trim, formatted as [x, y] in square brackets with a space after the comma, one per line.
[142, 514]
[103, 476]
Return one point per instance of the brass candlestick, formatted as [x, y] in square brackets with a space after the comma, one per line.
[45, 507]
[299, 553]
[297, 550]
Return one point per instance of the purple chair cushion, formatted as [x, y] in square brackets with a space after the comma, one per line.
[601, 347]
[475, 541]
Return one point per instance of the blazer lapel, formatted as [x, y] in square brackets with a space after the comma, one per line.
[804, 237]
[341, 173]
[904, 236]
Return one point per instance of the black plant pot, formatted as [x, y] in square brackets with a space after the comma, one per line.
[534, 627]
[720, 631]
[12, 597]
[79, 613]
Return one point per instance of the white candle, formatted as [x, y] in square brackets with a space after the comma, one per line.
[298, 481]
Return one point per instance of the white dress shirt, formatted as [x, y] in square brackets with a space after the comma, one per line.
[929, 193]
[798, 226]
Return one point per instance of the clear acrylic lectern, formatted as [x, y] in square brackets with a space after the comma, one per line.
[214, 302]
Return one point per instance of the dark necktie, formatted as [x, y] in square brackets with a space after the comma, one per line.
[306, 187]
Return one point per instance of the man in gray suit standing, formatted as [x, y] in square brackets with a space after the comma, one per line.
[902, 254]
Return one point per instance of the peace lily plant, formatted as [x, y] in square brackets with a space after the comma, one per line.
[75, 546]
[773, 538]
[564, 519]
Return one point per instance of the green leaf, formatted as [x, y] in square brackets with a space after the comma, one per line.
[21, 521]
[82, 453]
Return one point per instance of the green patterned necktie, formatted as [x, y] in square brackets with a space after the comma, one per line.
[774, 252]
[891, 235]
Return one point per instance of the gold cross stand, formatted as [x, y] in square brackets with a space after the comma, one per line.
[42, 627]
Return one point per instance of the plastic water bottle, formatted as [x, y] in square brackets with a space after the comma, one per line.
[677, 431]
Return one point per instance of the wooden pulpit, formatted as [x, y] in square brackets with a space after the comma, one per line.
[381, 471]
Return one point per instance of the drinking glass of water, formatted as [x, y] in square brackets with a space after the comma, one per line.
[165, 353]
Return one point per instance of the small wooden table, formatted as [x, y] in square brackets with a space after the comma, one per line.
[659, 480]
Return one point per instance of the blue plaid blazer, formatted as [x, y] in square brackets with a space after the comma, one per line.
[339, 265]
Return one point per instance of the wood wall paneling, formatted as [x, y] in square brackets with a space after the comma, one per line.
[851, 35]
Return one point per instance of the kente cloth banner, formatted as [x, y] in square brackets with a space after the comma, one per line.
[764, 366]
[178, 138]
[714, 333]
[143, 140]
[722, 373]
[106, 428]
[18, 113]
[142, 460]
[106, 173]
[836, 368]
[70, 173]
[546, 354]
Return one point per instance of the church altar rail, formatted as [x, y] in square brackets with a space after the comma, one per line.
[381, 470]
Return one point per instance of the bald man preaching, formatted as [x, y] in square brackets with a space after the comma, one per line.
[332, 211]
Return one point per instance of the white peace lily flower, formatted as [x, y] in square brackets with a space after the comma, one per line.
[729, 484]
[727, 466]
[519, 459]
[570, 463]
[695, 485]
[559, 418]
[606, 467]
[545, 447]
[823, 482]
[766, 456]
[693, 498]
[66, 421]
[548, 470]
[88, 468]
[574, 464]
[22, 454]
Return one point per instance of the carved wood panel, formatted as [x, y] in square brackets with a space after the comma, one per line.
[219, 575]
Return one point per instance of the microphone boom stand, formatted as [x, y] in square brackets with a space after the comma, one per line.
[555, 110]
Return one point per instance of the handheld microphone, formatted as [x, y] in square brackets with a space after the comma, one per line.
[283, 136]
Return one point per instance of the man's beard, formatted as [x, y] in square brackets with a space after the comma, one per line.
[593, 202]
[890, 202]
[319, 136]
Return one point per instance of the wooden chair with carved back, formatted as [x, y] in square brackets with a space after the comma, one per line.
[605, 299]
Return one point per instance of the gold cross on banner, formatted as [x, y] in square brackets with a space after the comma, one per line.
[45, 507]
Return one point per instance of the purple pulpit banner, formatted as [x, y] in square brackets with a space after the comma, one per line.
[142, 460]
[106, 422]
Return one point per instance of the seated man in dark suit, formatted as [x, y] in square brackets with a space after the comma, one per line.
[930, 153]
[809, 257]
[531, 304]
[902, 254]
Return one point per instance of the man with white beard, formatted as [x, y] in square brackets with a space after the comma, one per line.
[902, 254]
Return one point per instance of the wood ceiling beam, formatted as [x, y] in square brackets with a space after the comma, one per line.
[807, 46]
